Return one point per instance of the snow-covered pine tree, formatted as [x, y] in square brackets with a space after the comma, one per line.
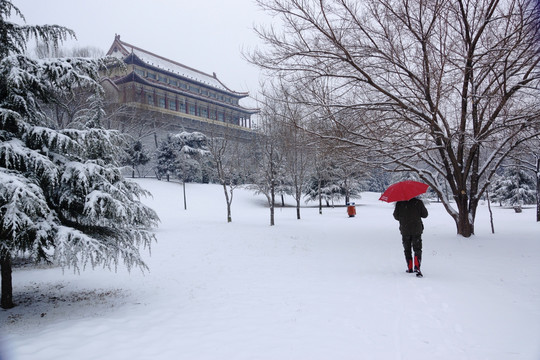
[62, 197]
[514, 187]
[337, 179]
[378, 180]
[166, 158]
[347, 175]
[184, 155]
[327, 189]
[192, 159]
[136, 155]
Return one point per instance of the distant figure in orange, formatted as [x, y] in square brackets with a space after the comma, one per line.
[351, 209]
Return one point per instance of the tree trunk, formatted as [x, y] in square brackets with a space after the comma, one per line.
[184, 192]
[538, 189]
[7, 287]
[272, 203]
[228, 201]
[464, 226]
[538, 202]
[320, 196]
[298, 198]
[490, 213]
[464, 223]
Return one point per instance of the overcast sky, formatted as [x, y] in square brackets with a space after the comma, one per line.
[208, 35]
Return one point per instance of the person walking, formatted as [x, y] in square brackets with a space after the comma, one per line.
[410, 214]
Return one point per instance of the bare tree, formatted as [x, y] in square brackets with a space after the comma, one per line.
[268, 154]
[440, 88]
[295, 142]
[298, 159]
[227, 156]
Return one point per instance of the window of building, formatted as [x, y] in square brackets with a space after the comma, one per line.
[220, 116]
[139, 72]
[161, 102]
[182, 107]
[172, 104]
[173, 82]
[192, 109]
[203, 112]
[149, 99]
[151, 75]
[162, 79]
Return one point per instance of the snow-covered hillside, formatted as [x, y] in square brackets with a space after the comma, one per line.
[324, 287]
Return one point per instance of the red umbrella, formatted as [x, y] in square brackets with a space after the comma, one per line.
[403, 190]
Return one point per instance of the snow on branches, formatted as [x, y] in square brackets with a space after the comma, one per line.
[62, 195]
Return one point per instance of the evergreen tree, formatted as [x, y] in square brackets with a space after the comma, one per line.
[186, 156]
[378, 180]
[514, 187]
[136, 155]
[192, 156]
[166, 158]
[326, 188]
[336, 181]
[62, 197]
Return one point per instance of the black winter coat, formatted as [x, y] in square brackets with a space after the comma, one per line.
[410, 214]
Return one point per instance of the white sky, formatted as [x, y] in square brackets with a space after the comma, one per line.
[208, 35]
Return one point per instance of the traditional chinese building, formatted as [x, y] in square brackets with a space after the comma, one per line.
[172, 97]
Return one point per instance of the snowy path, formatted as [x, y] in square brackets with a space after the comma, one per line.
[325, 287]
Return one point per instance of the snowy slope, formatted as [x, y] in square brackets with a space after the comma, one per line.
[324, 287]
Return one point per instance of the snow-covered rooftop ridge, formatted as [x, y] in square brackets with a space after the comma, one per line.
[172, 66]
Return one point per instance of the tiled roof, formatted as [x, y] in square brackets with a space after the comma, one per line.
[122, 49]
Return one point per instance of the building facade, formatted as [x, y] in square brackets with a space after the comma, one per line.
[173, 97]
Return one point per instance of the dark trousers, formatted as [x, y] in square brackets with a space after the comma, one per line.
[412, 243]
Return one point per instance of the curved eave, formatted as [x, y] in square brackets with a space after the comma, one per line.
[109, 81]
[135, 60]
[240, 95]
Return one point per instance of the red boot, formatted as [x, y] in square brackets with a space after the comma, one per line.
[409, 266]
[416, 264]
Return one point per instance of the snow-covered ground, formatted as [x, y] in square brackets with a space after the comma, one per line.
[324, 287]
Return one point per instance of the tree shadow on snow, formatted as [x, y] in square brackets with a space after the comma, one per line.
[40, 303]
